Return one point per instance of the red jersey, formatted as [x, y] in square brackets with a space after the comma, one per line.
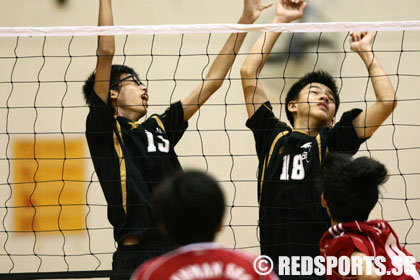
[201, 261]
[374, 238]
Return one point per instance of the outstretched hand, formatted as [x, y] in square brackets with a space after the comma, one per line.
[289, 10]
[361, 42]
[253, 9]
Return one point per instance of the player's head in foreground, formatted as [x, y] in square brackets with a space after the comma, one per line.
[190, 207]
[313, 100]
[128, 96]
[350, 187]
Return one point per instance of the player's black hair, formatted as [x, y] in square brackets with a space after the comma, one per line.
[191, 206]
[351, 186]
[116, 72]
[312, 77]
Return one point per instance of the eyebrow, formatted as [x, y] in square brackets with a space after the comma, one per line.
[317, 87]
[135, 77]
[129, 77]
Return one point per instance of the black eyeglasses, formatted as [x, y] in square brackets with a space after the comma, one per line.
[135, 79]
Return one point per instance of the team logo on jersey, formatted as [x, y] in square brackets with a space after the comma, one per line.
[159, 130]
[307, 148]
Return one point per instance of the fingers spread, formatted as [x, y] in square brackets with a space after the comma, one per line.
[267, 6]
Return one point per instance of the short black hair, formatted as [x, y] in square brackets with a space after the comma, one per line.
[116, 72]
[351, 186]
[321, 77]
[191, 206]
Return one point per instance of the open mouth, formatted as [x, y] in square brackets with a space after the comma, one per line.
[323, 106]
[145, 97]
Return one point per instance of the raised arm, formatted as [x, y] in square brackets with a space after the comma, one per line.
[105, 51]
[370, 119]
[286, 11]
[215, 77]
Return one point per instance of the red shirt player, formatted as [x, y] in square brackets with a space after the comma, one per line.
[374, 238]
[190, 207]
[349, 193]
[201, 261]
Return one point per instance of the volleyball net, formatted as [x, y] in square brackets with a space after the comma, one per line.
[52, 210]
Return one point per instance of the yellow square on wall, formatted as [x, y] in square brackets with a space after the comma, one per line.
[48, 193]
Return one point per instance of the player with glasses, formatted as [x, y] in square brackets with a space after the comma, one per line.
[131, 157]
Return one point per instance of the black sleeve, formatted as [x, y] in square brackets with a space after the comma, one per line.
[262, 124]
[343, 137]
[100, 125]
[100, 120]
[173, 122]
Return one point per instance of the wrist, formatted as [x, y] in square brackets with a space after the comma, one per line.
[246, 19]
[281, 19]
[367, 56]
[370, 60]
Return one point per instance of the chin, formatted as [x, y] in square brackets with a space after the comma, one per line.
[142, 114]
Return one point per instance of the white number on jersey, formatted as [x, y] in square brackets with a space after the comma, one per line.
[298, 171]
[401, 262]
[151, 147]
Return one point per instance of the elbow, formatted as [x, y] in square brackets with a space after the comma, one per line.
[215, 85]
[213, 82]
[390, 104]
[106, 46]
[248, 72]
[106, 51]
[210, 85]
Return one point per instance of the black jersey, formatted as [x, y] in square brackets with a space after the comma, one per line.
[292, 219]
[130, 159]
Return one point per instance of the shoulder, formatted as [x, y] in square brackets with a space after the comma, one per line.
[346, 238]
[265, 110]
[174, 112]
[350, 115]
[98, 109]
[145, 267]
[264, 119]
[151, 268]
[175, 107]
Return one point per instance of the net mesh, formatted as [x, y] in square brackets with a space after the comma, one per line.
[52, 210]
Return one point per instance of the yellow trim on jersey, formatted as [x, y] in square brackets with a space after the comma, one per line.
[301, 131]
[160, 123]
[318, 140]
[268, 161]
[268, 108]
[123, 171]
[134, 125]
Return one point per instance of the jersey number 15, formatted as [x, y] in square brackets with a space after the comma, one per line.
[151, 146]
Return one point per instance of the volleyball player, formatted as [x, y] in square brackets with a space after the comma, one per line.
[190, 207]
[350, 190]
[131, 157]
[291, 219]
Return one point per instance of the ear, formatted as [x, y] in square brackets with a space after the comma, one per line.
[291, 106]
[113, 94]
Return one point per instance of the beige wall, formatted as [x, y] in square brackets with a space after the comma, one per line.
[237, 172]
